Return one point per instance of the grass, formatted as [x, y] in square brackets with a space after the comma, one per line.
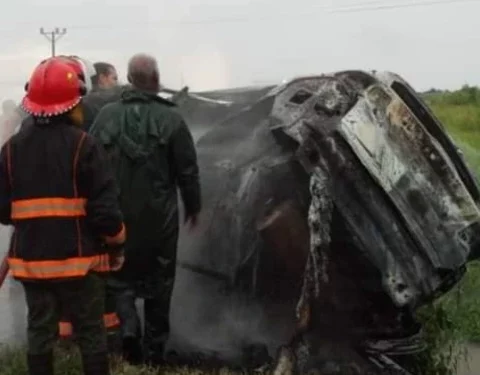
[445, 349]
[459, 111]
[448, 322]
[67, 362]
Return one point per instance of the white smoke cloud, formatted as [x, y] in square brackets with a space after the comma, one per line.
[205, 68]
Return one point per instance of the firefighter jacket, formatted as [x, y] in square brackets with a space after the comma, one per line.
[57, 190]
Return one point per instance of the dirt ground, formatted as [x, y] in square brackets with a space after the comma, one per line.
[473, 365]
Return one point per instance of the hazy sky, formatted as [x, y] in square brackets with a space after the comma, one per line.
[221, 43]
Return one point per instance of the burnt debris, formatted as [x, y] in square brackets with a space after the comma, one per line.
[349, 175]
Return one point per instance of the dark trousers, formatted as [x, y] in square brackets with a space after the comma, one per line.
[155, 288]
[110, 318]
[84, 299]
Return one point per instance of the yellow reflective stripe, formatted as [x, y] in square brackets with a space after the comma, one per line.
[55, 269]
[111, 320]
[65, 329]
[48, 207]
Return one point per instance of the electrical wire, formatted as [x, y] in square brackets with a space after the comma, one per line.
[366, 6]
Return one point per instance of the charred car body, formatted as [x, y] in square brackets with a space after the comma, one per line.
[350, 174]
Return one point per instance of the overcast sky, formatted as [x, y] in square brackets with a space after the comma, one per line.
[220, 43]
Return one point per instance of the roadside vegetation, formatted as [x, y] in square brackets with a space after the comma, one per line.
[453, 321]
[449, 322]
[459, 111]
[67, 362]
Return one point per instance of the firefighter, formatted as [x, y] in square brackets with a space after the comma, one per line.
[58, 192]
[90, 72]
[110, 318]
[98, 75]
[153, 154]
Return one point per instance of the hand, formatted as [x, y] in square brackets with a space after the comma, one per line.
[116, 260]
[191, 221]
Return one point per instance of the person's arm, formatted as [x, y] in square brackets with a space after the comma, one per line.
[186, 169]
[102, 206]
[5, 191]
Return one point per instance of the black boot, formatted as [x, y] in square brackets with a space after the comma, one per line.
[114, 343]
[133, 351]
[96, 364]
[40, 364]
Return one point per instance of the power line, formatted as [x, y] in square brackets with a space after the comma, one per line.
[405, 5]
[53, 36]
[374, 5]
[365, 6]
[351, 8]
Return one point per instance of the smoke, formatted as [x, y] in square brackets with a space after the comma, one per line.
[206, 317]
[13, 310]
[209, 320]
[204, 68]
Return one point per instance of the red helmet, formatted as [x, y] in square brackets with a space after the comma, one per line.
[85, 69]
[54, 88]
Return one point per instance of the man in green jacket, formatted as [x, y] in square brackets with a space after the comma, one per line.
[153, 154]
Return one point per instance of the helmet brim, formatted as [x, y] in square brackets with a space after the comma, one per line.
[42, 110]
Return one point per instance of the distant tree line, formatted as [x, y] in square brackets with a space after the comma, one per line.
[466, 95]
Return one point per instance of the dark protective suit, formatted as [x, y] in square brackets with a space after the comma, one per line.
[56, 247]
[153, 153]
[92, 104]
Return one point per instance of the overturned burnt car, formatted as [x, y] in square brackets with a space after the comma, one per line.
[334, 207]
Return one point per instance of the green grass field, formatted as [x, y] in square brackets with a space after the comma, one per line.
[448, 322]
[459, 111]
[67, 362]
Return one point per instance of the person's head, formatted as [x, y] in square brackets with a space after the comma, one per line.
[8, 107]
[143, 73]
[106, 75]
[55, 89]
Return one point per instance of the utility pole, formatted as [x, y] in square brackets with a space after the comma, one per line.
[53, 36]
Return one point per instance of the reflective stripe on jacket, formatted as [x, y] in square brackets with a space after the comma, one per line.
[57, 189]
